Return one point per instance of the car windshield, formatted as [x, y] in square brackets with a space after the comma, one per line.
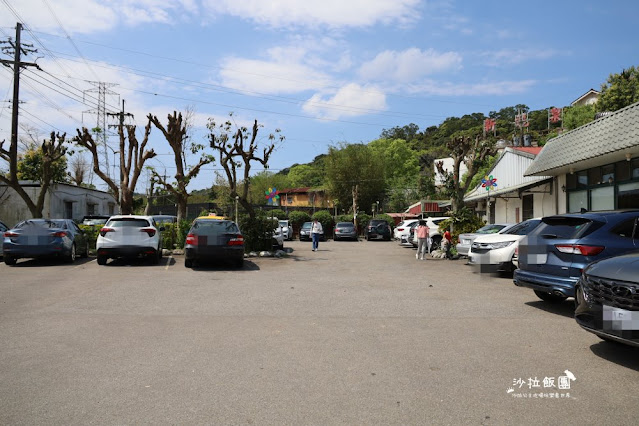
[345, 225]
[214, 227]
[524, 228]
[307, 225]
[490, 229]
[283, 223]
[128, 223]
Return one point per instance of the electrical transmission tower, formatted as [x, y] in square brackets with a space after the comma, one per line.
[102, 89]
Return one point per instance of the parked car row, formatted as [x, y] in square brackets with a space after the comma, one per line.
[592, 257]
[404, 233]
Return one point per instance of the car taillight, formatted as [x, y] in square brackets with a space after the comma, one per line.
[579, 249]
[400, 229]
[149, 231]
[105, 230]
[10, 234]
[191, 240]
[238, 240]
[60, 234]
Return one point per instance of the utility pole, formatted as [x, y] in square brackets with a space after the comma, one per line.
[120, 116]
[355, 194]
[18, 49]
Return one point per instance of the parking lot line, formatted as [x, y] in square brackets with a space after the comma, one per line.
[168, 262]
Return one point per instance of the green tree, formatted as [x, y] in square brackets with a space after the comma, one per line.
[578, 115]
[260, 184]
[30, 167]
[620, 90]
[303, 175]
[355, 173]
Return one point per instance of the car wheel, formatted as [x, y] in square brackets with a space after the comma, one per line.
[70, 258]
[102, 260]
[10, 260]
[188, 263]
[156, 257]
[86, 250]
[548, 297]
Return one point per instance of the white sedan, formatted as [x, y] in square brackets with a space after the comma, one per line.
[495, 252]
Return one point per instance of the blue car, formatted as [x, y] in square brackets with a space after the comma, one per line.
[553, 257]
[43, 238]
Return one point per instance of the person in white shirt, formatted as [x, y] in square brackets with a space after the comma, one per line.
[316, 230]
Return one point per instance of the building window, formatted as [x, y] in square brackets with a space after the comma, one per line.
[111, 209]
[90, 209]
[528, 211]
[577, 200]
[602, 198]
[628, 196]
[582, 179]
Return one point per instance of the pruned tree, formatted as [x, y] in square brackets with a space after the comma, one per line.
[133, 155]
[235, 156]
[50, 153]
[472, 151]
[78, 172]
[175, 134]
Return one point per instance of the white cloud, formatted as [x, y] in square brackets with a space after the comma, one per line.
[91, 16]
[77, 16]
[440, 88]
[516, 56]
[315, 13]
[409, 65]
[285, 70]
[349, 101]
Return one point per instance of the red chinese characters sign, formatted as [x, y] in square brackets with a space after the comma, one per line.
[555, 115]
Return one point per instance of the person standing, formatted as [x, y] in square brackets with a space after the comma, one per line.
[421, 233]
[316, 230]
[448, 240]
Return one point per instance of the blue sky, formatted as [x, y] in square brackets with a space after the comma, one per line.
[323, 72]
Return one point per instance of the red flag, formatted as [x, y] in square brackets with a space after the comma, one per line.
[489, 125]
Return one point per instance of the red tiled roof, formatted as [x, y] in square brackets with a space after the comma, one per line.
[529, 149]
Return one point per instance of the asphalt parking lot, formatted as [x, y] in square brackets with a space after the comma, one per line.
[356, 333]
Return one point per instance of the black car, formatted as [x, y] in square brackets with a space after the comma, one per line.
[378, 229]
[214, 240]
[607, 299]
[35, 238]
[345, 231]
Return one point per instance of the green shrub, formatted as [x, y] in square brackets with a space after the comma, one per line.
[345, 218]
[278, 213]
[324, 217]
[297, 219]
[91, 233]
[362, 221]
[462, 221]
[257, 233]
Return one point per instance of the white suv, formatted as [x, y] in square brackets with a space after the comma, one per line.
[129, 236]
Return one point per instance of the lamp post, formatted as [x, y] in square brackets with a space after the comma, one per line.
[237, 198]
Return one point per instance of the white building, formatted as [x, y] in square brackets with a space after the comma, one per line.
[63, 201]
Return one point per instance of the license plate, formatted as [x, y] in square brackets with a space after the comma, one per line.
[467, 242]
[620, 319]
[537, 259]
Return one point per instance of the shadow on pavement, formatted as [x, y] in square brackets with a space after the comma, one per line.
[565, 308]
[624, 355]
[222, 266]
[49, 261]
